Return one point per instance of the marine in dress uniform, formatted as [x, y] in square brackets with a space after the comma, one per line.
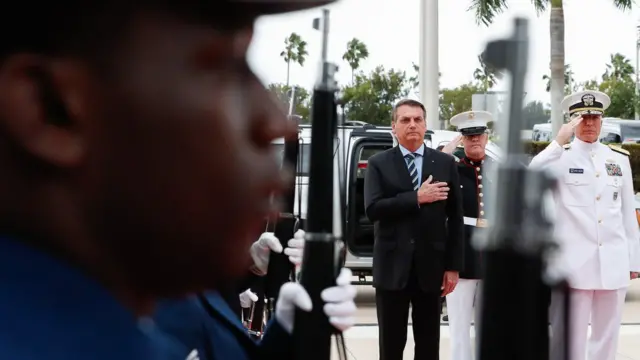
[596, 228]
[472, 166]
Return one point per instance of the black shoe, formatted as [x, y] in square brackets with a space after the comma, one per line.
[445, 318]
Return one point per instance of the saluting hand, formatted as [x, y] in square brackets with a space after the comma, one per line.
[567, 130]
[431, 192]
[452, 145]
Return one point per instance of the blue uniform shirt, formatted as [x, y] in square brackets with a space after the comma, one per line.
[49, 310]
[219, 336]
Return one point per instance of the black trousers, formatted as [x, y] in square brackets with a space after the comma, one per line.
[393, 315]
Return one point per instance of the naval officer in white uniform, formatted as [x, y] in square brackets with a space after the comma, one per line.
[596, 228]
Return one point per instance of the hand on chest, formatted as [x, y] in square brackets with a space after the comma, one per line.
[592, 179]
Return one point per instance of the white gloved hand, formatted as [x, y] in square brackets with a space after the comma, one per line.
[340, 306]
[567, 131]
[261, 251]
[247, 298]
[295, 248]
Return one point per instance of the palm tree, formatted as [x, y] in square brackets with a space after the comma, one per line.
[486, 10]
[619, 68]
[356, 52]
[569, 83]
[485, 75]
[295, 49]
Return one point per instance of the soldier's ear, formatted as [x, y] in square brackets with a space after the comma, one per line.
[37, 105]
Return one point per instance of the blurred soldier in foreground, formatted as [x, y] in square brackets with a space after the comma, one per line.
[122, 181]
[207, 325]
[596, 227]
[471, 167]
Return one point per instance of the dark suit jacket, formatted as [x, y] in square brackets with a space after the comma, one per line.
[427, 236]
[218, 337]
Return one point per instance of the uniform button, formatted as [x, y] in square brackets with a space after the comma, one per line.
[599, 244]
[598, 197]
[480, 195]
[480, 186]
[598, 174]
[481, 213]
[477, 169]
[599, 221]
[481, 204]
[593, 155]
[479, 177]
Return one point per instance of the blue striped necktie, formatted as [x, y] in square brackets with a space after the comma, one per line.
[413, 172]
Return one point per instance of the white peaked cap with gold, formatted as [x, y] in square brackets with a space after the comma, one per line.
[472, 122]
[588, 102]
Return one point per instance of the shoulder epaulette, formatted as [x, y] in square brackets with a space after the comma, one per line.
[619, 149]
[566, 146]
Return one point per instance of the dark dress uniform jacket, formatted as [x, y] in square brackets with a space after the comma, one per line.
[472, 175]
[425, 239]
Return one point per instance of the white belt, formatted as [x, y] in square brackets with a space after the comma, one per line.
[475, 222]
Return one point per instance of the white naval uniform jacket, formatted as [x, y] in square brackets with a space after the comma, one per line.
[596, 226]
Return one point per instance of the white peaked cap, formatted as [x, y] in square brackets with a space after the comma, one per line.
[588, 102]
[472, 122]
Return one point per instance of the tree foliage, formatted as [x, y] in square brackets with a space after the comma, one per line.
[486, 76]
[302, 103]
[371, 96]
[534, 113]
[295, 50]
[356, 52]
[457, 100]
[569, 82]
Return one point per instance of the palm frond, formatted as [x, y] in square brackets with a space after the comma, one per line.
[623, 4]
[540, 5]
[486, 10]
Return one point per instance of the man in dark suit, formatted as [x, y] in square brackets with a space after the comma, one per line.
[412, 195]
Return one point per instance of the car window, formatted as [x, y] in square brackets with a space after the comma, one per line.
[304, 154]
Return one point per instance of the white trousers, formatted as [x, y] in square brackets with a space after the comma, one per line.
[604, 309]
[460, 310]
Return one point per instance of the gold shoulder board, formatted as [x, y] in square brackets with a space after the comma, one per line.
[619, 150]
[566, 146]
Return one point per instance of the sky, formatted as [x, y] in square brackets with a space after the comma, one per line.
[594, 29]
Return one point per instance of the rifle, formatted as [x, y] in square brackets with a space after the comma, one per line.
[312, 331]
[520, 237]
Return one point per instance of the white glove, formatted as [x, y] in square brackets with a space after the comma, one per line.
[340, 306]
[295, 248]
[567, 131]
[247, 298]
[261, 250]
